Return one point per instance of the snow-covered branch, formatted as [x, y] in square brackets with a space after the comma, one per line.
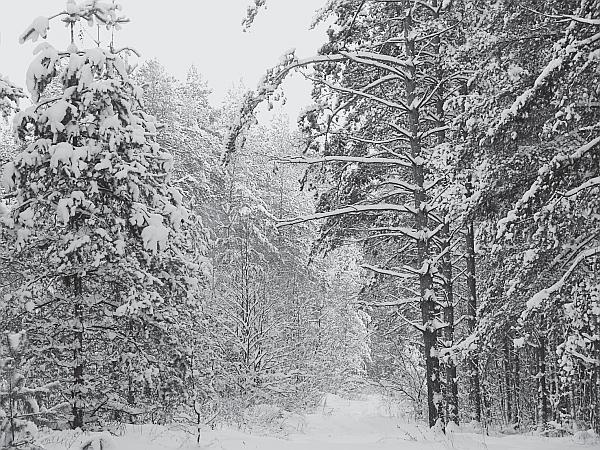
[355, 209]
[591, 183]
[538, 299]
[400, 302]
[392, 273]
[545, 173]
[361, 93]
[350, 159]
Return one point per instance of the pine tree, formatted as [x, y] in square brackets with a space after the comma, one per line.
[96, 215]
[533, 131]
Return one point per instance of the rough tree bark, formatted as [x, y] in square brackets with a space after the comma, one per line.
[429, 305]
[450, 382]
[507, 382]
[78, 360]
[516, 388]
[473, 360]
[541, 377]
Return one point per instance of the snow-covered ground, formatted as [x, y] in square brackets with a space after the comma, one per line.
[368, 424]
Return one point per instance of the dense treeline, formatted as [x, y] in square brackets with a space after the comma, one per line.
[458, 142]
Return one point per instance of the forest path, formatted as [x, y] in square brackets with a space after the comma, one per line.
[374, 423]
[371, 423]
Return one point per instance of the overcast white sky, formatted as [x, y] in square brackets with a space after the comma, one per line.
[207, 33]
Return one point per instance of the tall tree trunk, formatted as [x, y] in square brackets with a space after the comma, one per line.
[78, 406]
[451, 384]
[573, 397]
[130, 390]
[596, 380]
[428, 302]
[541, 377]
[472, 360]
[507, 382]
[516, 388]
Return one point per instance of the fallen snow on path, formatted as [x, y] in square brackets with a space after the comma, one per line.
[370, 424]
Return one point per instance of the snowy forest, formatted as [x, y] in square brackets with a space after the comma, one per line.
[413, 262]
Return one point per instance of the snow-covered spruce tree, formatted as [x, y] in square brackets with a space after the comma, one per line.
[95, 212]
